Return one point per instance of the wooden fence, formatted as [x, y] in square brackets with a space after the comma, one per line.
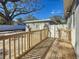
[16, 45]
[65, 34]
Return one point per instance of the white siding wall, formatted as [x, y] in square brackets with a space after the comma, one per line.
[77, 31]
[53, 28]
[36, 26]
[73, 24]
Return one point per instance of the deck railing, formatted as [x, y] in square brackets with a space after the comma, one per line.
[65, 34]
[15, 45]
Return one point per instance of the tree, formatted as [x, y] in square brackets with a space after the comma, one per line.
[31, 17]
[1, 21]
[10, 9]
[19, 21]
[58, 19]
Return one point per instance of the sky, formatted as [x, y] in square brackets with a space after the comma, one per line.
[52, 8]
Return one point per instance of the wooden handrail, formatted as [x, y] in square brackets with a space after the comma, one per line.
[21, 42]
[16, 34]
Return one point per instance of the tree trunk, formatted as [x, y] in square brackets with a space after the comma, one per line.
[8, 20]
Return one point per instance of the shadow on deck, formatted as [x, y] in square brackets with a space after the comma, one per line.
[51, 49]
[61, 49]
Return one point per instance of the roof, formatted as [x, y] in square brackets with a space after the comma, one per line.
[67, 5]
[38, 21]
[42, 21]
[11, 27]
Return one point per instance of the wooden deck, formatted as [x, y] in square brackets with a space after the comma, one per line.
[61, 49]
[51, 49]
[40, 50]
[37, 45]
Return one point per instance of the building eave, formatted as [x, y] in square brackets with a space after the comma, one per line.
[67, 7]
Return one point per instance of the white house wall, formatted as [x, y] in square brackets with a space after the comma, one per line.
[77, 31]
[36, 26]
[73, 29]
[73, 24]
[70, 26]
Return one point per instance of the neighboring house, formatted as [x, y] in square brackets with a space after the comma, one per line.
[37, 24]
[72, 15]
[46, 23]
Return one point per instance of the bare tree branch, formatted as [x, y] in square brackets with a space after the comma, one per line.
[1, 7]
[25, 13]
[18, 8]
[13, 12]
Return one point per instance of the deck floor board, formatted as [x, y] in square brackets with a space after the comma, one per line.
[59, 49]
[39, 50]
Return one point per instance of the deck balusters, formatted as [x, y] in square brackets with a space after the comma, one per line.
[40, 35]
[18, 44]
[14, 47]
[10, 48]
[31, 39]
[59, 34]
[3, 49]
[28, 40]
[25, 42]
[69, 35]
[65, 34]
[22, 42]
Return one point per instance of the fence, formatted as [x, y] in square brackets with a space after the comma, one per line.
[61, 32]
[54, 30]
[15, 45]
